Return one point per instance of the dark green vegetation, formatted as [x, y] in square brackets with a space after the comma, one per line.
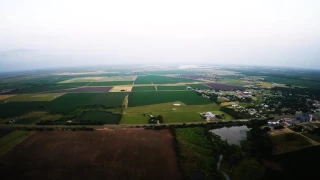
[294, 82]
[30, 120]
[100, 117]
[13, 109]
[69, 102]
[171, 88]
[143, 88]
[288, 142]
[198, 86]
[157, 97]
[110, 83]
[152, 79]
[300, 164]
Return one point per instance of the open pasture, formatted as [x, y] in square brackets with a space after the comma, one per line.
[107, 154]
[170, 112]
[219, 86]
[153, 79]
[156, 97]
[35, 97]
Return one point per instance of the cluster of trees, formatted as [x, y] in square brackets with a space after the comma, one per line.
[235, 114]
[154, 119]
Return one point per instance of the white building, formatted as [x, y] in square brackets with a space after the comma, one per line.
[208, 116]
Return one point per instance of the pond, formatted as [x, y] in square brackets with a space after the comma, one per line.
[233, 135]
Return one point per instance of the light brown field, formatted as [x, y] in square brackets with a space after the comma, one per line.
[2, 97]
[227, 103]
[119, 88]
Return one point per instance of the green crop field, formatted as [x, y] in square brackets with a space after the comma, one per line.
[13, 139]
[30, 120]
[110, 83]
[13, 109]
[294, 82]
[171, 88]
[35, 97]
[70, 102]
[99, 116]
[199, 86]
[152, 79]
[52, 87]
[143, 88]
[156, 97]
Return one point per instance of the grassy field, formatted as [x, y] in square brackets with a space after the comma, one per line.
[199, 86]
[152, 79]
[143, 88]
[35, 97]
[110, 83]
[156, 97]
[288, 142]
[12, 139]
[98, 116]
[5, 97]
[171, 88]
[30, 120]
[171, 113]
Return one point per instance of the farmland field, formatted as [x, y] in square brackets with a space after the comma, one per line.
[4, 97]
[13, 109]
[156, 97]
[233, 82]
[110, 83]
[219, 86]
[108, 154]
[54, 87]
[171, 88]
[199, 86]
[84, 90]
[35, 97]
[152, 79]
[99, 116]
[294, 82]
[11, 140]
[73, 100]
[143, 88]
[121, 88]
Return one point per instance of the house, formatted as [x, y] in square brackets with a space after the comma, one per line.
[208, 116]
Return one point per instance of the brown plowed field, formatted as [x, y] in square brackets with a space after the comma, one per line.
[105, 154]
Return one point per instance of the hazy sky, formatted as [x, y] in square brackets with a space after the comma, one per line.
[50, 33]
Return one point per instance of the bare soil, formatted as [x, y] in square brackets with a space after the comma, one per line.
[106, 154]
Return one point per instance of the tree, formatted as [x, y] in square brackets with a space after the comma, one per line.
[160, 118]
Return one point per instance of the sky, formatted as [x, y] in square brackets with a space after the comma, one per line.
[46, 33]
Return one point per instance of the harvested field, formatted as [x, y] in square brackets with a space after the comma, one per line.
[120, 88]
[3, 97]
[84, 90]
[106, 154]
[225, 86]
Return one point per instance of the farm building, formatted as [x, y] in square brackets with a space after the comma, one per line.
[208, 115]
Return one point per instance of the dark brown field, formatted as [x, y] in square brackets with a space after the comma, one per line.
[105, 154]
